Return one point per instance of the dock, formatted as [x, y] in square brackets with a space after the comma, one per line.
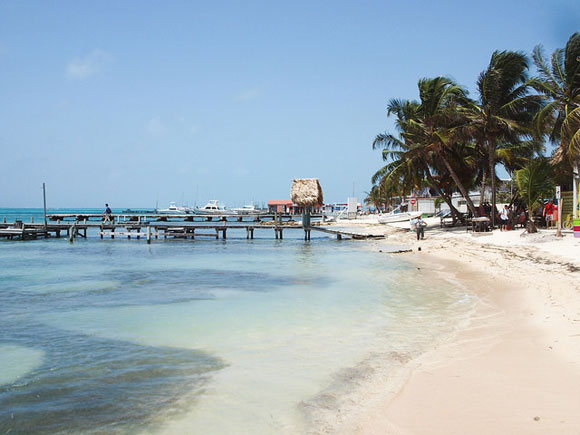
[164, 217]
[345, 233]
[156, 230]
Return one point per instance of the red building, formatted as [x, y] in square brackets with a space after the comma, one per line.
[286, 206]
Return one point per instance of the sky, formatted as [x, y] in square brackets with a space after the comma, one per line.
[138, 103]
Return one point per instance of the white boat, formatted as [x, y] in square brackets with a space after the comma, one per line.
[398, 216]
[246, 209]
[212, 207]
[174, 209]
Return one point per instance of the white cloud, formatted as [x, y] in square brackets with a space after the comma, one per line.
[88, 65]
[248, 94]
[155, 126]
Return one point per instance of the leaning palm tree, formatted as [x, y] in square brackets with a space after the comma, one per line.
[409, 164]
[559, 82]
[533, 182]
[504, 110]
[441, 116]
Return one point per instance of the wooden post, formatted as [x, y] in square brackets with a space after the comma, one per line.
[31, 219]
[44, 201]
[224, 233]
[71, 233]
[148, 235]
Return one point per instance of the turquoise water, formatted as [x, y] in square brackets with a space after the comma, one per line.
[206, 336]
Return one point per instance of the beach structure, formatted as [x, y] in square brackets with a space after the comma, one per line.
[306, 192]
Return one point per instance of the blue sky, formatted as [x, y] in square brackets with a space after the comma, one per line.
[137, 102]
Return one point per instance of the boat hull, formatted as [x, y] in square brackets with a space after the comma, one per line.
[398, 217]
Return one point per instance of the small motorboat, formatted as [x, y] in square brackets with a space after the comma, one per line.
[398, 216]
[174, 209]
[212, 207]
[246, 209]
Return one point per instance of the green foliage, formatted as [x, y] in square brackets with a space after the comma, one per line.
[558, 81]
[534, 182]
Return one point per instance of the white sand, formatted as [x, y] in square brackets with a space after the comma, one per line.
[516, 368]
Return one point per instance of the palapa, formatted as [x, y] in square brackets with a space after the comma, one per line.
[306, 192]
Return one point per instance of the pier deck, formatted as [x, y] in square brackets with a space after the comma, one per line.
[155, 230]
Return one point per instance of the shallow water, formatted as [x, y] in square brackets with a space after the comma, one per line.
[236, 336]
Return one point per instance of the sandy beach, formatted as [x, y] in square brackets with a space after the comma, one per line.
[516, 367]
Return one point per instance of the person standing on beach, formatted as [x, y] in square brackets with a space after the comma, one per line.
[504, 218]
[420, 225]
[548, 213]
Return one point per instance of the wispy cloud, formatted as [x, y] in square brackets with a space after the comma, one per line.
[88, 65]
[248, 94]
[155, 126]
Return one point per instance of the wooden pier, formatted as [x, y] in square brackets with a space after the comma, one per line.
[344, 233]
[20, 230]
[149, 230]
[183, 217]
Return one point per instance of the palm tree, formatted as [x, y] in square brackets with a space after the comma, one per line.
[533, 182]
[504, 110]
[409, 164]
[559, 82]
[441, 115]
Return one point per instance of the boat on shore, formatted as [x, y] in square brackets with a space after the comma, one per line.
[398, 216]
[212, 207]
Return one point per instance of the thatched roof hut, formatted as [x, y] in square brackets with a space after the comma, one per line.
[306, 192]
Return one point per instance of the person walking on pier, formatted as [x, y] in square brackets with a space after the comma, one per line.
[107, 214]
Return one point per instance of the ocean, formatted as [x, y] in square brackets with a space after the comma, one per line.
[240, 336]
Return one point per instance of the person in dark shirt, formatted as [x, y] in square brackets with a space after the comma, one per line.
[107, 213]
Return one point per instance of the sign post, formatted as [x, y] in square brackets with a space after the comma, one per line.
[559, 200]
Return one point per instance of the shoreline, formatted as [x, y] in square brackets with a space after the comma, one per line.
[515, 368]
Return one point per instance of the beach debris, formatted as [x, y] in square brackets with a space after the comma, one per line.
[536, 418]
[306, 192]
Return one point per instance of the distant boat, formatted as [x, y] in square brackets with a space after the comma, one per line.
[174, 209]
[246, 209]
[398, 216]
[212, 207]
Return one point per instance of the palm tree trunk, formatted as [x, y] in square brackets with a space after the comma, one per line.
[460, 186]
[491, 149]
[483, 183]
